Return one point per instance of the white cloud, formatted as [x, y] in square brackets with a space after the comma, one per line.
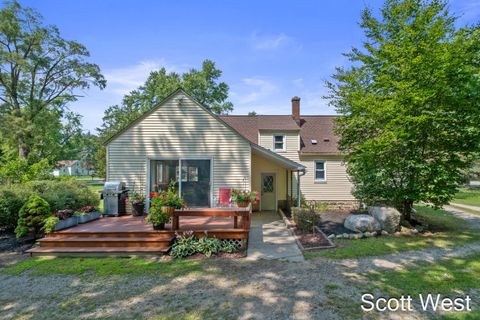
[253, 89]
[269, 42]
[121, 81]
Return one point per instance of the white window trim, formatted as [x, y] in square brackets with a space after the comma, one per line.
[284, 141]
[324, 171]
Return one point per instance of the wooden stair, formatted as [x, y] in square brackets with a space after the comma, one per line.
[103, 243]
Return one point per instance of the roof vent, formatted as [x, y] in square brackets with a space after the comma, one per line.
[326, 140]
[314, 141]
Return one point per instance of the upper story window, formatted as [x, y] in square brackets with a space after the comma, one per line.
[320, 171]
[279, 142]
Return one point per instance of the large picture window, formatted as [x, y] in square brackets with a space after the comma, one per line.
[190, 177]
[320, 171]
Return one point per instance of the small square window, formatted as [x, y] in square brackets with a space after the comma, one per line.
[279, 142]
[320, 172]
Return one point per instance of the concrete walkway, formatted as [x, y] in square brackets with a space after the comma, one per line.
[270, 239]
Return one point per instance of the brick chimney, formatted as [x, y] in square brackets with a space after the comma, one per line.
[296, 109]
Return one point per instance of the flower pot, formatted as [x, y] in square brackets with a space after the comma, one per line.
[161, 226]
[168, 210]
[138, 209]
[242, 204]
[67, 223]
[88, 217]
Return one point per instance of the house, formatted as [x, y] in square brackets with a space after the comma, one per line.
[281, 156]
[70, 168]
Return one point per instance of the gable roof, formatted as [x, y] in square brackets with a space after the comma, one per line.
[65, 163]
[272, 155]
[318, 128]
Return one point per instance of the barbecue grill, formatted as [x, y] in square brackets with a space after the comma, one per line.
[114, 194]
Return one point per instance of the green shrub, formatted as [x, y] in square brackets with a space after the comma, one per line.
[50, 223]
[184, 246]
[209, 246]
[187, 245]
[305, 219]
[64, 194]
[228, 247]
[32, 215]
[10, 204]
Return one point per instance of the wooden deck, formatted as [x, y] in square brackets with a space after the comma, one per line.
[128, 235]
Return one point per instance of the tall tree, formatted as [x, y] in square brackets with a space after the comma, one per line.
[202, 85]
[39, 74]
[410, 102]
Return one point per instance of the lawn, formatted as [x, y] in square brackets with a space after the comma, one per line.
[95, 188]
[469, 196]
[105, 267]
[453, 278]
[449, 230]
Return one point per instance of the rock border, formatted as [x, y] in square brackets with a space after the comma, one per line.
[290, 227]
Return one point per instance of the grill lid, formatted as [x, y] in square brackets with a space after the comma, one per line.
[114, 186]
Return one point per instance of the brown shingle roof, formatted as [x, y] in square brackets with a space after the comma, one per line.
[318, 128]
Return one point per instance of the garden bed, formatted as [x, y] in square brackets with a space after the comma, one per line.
[307, 240]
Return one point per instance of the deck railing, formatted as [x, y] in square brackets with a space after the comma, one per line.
[243, 213]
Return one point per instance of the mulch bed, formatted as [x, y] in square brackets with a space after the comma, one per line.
[9, 242]
[311, 240]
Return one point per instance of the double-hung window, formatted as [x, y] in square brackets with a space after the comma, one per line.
[320, 171]
[279, 142]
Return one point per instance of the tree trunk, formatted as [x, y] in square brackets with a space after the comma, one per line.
[407, 210]
[22, 150]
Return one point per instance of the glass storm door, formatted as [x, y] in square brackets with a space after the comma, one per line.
[268, 194]
[195, 182]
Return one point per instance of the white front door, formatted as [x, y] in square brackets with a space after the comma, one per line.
[268, 194]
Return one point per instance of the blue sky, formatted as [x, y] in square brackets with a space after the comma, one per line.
[268, 51]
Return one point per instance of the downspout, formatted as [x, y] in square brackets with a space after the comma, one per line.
[302, 171]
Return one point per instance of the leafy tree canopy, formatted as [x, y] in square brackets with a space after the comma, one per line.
[40, 73]
[410, 102]
[203, 85]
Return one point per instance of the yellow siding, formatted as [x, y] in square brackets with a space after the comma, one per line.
[336, 187]
[174, 131]
[259, 165]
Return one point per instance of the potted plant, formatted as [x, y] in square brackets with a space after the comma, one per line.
[244, 197]
[137, 201]
[66, 219]
[86, 214]
[157, 217]
[172, 201]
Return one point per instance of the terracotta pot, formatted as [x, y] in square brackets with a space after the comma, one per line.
[161, 226]
[138, 209]
[168, 210]
[242, 204]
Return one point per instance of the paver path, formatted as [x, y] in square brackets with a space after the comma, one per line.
[270, 239]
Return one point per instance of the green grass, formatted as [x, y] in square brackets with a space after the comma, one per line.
[95, 188]
[443, 277]
[470, 196]
[453, 278]
[449, 230]
[105, 267]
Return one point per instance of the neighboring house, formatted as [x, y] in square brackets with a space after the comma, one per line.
[278, 155]
[70, 168]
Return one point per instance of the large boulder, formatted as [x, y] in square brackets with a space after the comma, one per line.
[387, 217]
[361, 223]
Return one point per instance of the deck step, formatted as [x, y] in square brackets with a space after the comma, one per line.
[96, 251]
[161, 241]
[112, 234]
